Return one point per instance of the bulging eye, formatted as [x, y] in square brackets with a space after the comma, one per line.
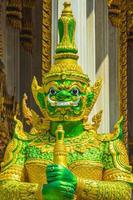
[75, 91]
[52, 91]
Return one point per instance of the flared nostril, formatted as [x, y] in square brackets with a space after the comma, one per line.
[63, 95]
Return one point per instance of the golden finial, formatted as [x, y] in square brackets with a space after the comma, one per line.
[67, 11]
[66, 55]
[59, 133]
[66, 26]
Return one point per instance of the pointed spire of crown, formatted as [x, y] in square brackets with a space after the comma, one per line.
[65, 65]
[66, 25]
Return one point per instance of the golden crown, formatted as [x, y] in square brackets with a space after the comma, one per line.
[65, 65]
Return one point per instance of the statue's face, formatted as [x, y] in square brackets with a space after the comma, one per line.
[66, 100]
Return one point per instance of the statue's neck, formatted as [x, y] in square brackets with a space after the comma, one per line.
[71, 128]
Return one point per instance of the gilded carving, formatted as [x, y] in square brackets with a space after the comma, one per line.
[118, 17]
[114, 11]
[1, 38]
[123, 67]
[130, 20]
[46, 36]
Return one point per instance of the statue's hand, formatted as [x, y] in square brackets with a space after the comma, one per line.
[58, 190]
[56, 172]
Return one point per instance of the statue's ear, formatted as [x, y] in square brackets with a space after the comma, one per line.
[92, 95]
[38, 94]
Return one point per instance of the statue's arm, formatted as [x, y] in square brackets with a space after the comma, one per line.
[13, 183]
[14, 190]
[117, 177]
[87, 189]
[103, 190]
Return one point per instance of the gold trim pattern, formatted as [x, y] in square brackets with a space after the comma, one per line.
[15, 172]
[46, 36]
[90, 163]
[114, 12]
[96, 90]
[19, 190]
[123, 68]
[116, 174]
[118, 158]
[9, 158]
[113, 135]
[1, 36]
[98, 190]
[130, 20]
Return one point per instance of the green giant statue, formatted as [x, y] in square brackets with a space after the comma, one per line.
[63, 157]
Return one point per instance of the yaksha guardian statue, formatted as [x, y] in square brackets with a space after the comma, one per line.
[63, 157]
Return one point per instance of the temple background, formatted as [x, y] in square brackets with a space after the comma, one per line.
[104, 37]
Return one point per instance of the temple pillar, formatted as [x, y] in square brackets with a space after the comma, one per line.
[113, 74]
[13, 62]
[54, 38]
[90, 50]
[30, 59]
[11, 55]
[25, 74]
[91, 37]
[102, 60]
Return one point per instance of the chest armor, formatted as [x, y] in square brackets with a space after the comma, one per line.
[84, 158]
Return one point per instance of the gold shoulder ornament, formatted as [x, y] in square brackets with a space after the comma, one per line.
[38, 124]
[116, 133]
